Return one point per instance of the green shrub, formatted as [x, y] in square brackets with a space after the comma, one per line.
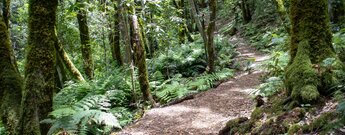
[89, 115]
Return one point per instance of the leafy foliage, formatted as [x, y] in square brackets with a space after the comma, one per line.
[339, 44]
[178, 87]
[270, 87]
[89, 115]
[189, 59]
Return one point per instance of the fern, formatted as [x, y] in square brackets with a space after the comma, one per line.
[178, 87]
[89, 115]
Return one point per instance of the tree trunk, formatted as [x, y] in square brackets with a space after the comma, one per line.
[68, 63]
[246, 13]
[114, 36]
[210, 33]
[198, 23]
[6, 12]
[85, 40]
[11, 82]
[40, 67]
[283, 14]
[310, 45]
[126, 35]
[140, 59]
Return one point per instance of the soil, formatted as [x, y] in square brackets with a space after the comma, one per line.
[207, 112]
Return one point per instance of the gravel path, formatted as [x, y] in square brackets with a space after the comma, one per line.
[208, 112]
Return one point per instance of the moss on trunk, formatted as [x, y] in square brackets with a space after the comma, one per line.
[114, 36]
[39, 67]
[85, 40]
[11, 83]
[210, 34]
[310, 46]
[140, 59]
[67, 62]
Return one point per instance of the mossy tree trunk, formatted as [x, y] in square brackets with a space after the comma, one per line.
[179, 5]
[114, 36]
[6, 11]
[210, 34]
[63, 56]
[283, 15]
[11, 83]
[140, 59]
[126, 34]
[310, 45]
[85, 39]
[39, 67]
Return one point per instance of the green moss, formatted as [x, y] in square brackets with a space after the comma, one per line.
[39, 67]
[11, 83]
[258, 113]
[293, 129]
[302, 79]
[239, 125]
[85, 40]
[310, 45]
[320, 123]
[309, 93]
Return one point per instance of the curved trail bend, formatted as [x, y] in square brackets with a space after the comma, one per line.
[208, 112]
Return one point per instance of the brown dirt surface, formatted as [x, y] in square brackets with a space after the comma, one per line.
[207, 113]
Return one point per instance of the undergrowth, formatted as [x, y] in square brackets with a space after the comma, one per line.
[2, 129]
[112, 101]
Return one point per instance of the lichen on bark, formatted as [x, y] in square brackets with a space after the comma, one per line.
[11, 83]
[140, 59]
[39, 67]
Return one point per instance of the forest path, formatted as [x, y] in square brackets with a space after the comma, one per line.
[207, 112]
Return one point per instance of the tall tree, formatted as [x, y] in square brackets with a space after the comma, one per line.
[140, 58]
[114, 36]
[11, 82]
[66, 61]
[85, 39]
[311, 45]
[39, 67]
[210, 35]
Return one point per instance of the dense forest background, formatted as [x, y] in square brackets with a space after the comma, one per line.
[96, 66]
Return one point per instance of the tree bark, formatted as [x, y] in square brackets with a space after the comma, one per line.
[311, 44]
[140, 58]
[85, 40]
[210, 33]
[11, 85]
[68, 63]
[39, 67]
[114, 36]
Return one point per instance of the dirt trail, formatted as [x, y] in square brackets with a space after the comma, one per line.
[208, 112]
